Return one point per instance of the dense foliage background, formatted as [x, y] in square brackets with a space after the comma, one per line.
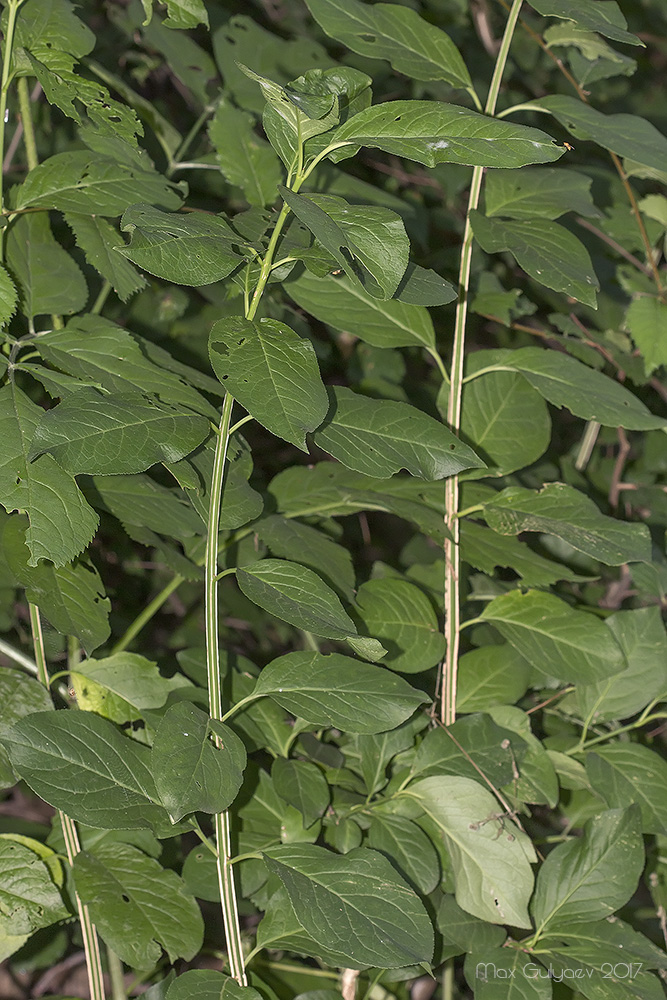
[430, 236]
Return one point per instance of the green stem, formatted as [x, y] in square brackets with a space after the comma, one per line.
[18, 657]
[145, 616]
[268, 259]
[5, 80]
[91, 945]
[103, 295]
[230, 911]
[643, 720]
[448, 980]
[28, 128]
[451, 548]
[116, 975]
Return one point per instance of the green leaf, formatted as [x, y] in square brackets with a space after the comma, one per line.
[80, 763]
[84, 181]
[244, 159]
[546, 251]
[287, 537]
[141, 501]
[49, 29]
[398, 34]
[280, 928]
[8, 297]
[560, 510]
[505, 419]
[505, 974]
[606, 19]
[420, 286]
[408, 848]
[491, 675]
[60, 522]
[139, 907]
[19, 696]
[71, 597]
[431, 132]
[355, 903]
[589, 877]
[119, 433]
[120, 686]
[380, 437]
[303, 786]
[185, 14]
[482, 548]
[613, 937]
[541, 192]
[587, 393]
[297, 595]
[556, 639]
[403, 619]
[272, 372]
[646, 319]
[205, 984]
[29, 899]
[346, 305]
[197, 762]
[641, 635]
[461, 932]
[621, 774]
[48, 279]
[492, 874]
[193, 249]
[98, 240]
[361, 238]
[335, 690]
[626, 135]
[468, 746]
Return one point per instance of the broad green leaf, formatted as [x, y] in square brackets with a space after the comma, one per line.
[280, 928]
[624, 773]
[403, 619]
[646, 319]
[266, 819]
[94, 348]
[205, 984]
[297, 595]
[491, 856]
[118, 433]
[335, 690]
[546, 251]
[420, 286]
[355, 903]
[197, 762]
[556, 639]
[605, 18]
[138, 906]
[600, 975]
[191, 64]
[347, 306]
[468, 746]
[303, 786]
[461, 932]
[29, 898]
[98, 239]
[538, 192]
[587, 393]
[380, 437]
[244, 159]
[83, 181]
[374, 752]
[49, 29]
[505, 419]
[19, 695]
[506, 974]
[398, 34]
[71, 597]
[626, 135]
[482, 548]
[193, 249]
[491, 675]
[408, 848]
[8, 297]
[288, 538]
[560, 510]
[589, 877]
[48, 279]
[272, 372]
[185, 14]
[60, 522]
[616, 940]
[80, 763]
[431, 132]
[120, 686]
[641, 635]
[360, 238]
[141, 501]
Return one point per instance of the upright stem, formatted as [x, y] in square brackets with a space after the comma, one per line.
[452, 552]
[222, 820]
[91, 944]
[13, 7]
[26, 119]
